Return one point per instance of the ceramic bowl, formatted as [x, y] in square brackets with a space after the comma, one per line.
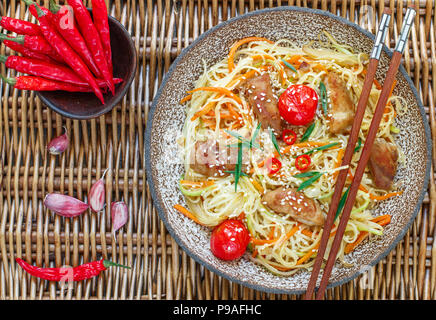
[167, 116]
[78, 105]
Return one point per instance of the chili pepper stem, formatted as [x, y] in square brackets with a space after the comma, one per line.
[17, 39]
[108, 263]
[54, 7]
[10, 81]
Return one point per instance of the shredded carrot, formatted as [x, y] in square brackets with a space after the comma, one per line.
[257, 185]
[312, 251]
[203, 111]
[187, 213]
[283, 75]
[307, 256]
[221, 90]
[338, 162]
[320, 67]
[271, 234]
[187, 98]
[197, 184]
[254, 255]
[291, 232]
[234, 48]
[386, 196]
[377, 84]
[307, 232]
[351, 246]
[381, 220]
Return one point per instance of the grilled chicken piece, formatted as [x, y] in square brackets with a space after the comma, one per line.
[383, 162]
[264, 102]
[342, 107]
[289, 201]
[211, 158]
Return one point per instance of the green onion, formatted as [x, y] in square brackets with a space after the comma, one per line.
[342, 202]
[327, 146]
[394, 129]
[359, 145]
[308, 132]
[274, 141]
[306, 174]
[323, 92]
[256, 132]
[193, 193]
[290, 66]
[308, 182]
[237, 172]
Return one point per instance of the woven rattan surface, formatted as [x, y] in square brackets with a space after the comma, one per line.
[160, 269]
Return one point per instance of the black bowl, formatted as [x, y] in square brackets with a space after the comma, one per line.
[79, 105]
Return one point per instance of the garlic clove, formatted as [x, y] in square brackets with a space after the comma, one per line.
[58, 145]
[119, 215]
[64, 205]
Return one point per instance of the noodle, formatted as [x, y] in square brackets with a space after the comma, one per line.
[283, 244]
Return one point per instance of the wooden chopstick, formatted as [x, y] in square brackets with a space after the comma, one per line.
[372, 133]
[352, 140]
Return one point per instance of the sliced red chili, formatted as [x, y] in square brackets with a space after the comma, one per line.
[289, 136]
[275, 165]
[303, 162]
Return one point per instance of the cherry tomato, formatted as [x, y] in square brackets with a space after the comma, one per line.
[289, 136]
[303, 162]
[229, 240]
[297, 105]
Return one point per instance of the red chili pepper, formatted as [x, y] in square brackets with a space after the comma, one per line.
[100, 18]
[42, 84]
[303, 162]
[35, 43]
[64, 49]
[92, 39]
[289, 136]
[48, 70]
[63, 20]
[27, 52]
[275, 165]
[79, 273]
[20, 26]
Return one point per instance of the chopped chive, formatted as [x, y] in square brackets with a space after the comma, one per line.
[309, 181]
[290, 66]
[342, 202]
[306, 174]
[359, 145]
[256, 132]
[327, 146]
[274, 141]
[308, 132]
[323, 92]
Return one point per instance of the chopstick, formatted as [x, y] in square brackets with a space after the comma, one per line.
[348, 154]
[390, 76]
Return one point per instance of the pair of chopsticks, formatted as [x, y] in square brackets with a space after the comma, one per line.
[375, 123]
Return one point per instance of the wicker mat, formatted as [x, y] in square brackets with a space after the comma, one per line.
[160, 269]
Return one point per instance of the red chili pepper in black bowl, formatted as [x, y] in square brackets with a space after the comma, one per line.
[35, 43]
[27, 52]
[100, 18]
[79, 273]
[92, 39]
[63, 48]
[64, 22]
[48, 70]
[20, 26]
[42, 84]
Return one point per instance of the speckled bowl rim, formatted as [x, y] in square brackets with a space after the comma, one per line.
[161, 210]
